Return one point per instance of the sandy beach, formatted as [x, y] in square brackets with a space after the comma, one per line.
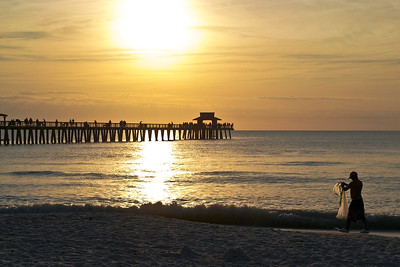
[127, 239]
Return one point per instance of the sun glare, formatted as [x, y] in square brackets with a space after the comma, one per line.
[154, 27]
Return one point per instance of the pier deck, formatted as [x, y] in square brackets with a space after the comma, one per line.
[20, 132]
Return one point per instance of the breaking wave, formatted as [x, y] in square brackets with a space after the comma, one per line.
[222, 214]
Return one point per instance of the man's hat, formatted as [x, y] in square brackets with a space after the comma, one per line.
[353, 175]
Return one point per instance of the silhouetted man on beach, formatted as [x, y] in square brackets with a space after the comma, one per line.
[356, 208]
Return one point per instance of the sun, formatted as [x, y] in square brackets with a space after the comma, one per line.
[154, 26]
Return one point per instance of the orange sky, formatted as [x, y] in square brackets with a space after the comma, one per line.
[262, 64]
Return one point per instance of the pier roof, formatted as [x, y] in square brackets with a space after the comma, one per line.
[207, 116]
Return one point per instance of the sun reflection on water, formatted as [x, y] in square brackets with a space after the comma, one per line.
[154, 167]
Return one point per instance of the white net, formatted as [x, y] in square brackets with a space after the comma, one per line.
[343, 206]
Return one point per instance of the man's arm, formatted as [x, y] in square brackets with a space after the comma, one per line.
[346, 186]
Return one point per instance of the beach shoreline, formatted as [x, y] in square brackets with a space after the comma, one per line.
[104, 238]
[355, 231]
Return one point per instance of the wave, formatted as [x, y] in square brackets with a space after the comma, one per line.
[48, 173]
[206, 177]
[34, 173]
[310, 163]
[88, 175]
[249, 177]
[222, 214]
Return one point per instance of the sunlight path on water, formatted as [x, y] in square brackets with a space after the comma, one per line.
[153, 165]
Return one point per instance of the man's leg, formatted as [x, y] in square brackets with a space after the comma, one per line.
[348, 223]
[346, 229]
[364, 222]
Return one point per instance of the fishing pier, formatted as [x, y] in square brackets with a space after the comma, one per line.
[16, 132]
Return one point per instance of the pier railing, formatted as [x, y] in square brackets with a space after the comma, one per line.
[57, 132]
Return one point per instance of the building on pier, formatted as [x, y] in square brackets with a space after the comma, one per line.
[207, 116]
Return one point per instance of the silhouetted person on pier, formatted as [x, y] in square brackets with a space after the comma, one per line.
[356, 208]
[56, 123]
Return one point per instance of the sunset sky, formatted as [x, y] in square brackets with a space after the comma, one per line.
[262, 64]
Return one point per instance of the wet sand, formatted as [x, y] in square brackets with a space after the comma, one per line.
[127, 239]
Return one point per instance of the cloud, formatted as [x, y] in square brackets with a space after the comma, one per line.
[248, 32]
[4, 58]
[342, 59]
[101, 55]
[24, 35]
[9, 47]
[293, 98]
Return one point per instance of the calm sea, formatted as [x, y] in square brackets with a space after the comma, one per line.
[290, 173]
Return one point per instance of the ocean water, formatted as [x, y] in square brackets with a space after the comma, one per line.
[273, 178]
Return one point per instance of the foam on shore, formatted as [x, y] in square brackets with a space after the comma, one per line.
[221, 214]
